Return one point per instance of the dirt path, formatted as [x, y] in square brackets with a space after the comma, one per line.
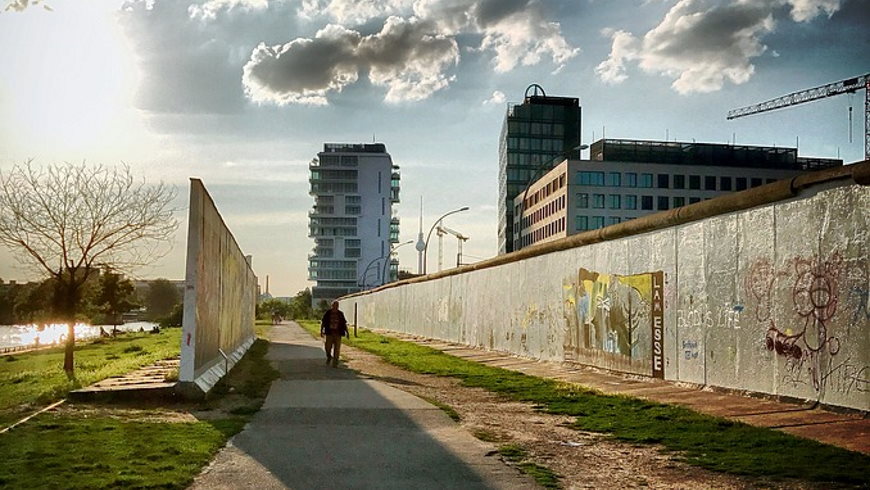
[583, 459]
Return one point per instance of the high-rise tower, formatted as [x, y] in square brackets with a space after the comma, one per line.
[352, 223]
[533, 134]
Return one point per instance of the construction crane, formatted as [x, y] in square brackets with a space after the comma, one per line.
[442, 230]
[848, 86]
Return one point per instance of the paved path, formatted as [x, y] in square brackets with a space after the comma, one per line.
[848, 430]
[324, 427]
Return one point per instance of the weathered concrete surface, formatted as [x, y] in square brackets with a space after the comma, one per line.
[847, 430]
[148, 382]
[219, 298]
[771, 299]
[322, 427]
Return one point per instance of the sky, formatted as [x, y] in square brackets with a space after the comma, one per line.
[243, 94]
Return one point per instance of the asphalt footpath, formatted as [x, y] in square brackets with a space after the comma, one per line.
[325, 427]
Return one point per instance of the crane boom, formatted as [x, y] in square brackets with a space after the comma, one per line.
[848, 86]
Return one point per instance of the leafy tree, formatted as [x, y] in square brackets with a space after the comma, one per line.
[67, 221]
[115, 296]
[275, 309]
[300, 305]
[160, 298]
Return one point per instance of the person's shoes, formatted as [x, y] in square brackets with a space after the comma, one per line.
[328, 359]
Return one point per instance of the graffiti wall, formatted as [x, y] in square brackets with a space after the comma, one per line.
[771, 299]
[219, 300]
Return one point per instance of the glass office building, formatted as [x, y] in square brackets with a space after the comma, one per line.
[534, 134]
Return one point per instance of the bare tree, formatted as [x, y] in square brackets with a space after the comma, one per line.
[68, 221]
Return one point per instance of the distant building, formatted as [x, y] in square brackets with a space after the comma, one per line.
[352, 223]
[534, 133]
[626, 179]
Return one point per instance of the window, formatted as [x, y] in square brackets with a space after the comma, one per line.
[630, 202]
[740, 183]
[352, 199]
[770, 181]
[679, 181]
[679, 201]
[646, 180]
[646, 202]
[597, 222]
[694, 182]
[709, 183]
[598, 201]
[664, 181]
[613, 179]
[583, 200]
[756, 182]
[614, 201]
[613, 220]
[663, 203]
[725, 183]
[631, 179]
[591, 178]
[581, 223]
[352, 210]
[693, 200]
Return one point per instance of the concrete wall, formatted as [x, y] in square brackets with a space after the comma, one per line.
[219, 300]
[771, 299]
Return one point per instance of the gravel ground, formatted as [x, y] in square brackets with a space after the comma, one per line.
[582, 459]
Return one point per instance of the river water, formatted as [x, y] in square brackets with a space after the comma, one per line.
[30, 335]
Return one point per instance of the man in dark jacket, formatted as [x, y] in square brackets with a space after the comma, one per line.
[333, 326]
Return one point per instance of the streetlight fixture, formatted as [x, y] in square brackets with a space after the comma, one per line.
[564, 154]
[390, 254]
[429, 235]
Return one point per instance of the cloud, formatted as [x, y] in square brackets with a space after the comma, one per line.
[406, 57]
[417, 42]
[701, 44]
[498, 97]
[210, 9]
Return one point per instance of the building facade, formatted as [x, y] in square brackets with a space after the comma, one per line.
[352, 222]
[533, 135]
[626, 179]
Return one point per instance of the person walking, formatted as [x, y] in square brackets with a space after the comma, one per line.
[333, 326]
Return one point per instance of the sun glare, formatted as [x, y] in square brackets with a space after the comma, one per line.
[67, 76]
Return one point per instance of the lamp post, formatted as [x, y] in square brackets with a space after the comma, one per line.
[390, 254]
[534, 174]
[362, 279]
[429, 235]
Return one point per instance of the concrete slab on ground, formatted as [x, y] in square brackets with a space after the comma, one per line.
[146, 383]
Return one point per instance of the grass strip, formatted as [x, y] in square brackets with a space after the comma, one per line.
[710, 442]
[37, 378]
[109, 450]
[102, 452]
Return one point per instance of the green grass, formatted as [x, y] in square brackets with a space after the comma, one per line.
[710, 442]
[66, 452]
[37, 378]
[517, 455]
[447, 409]
[102, 451]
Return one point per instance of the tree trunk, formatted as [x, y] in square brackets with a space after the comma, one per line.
[68, 353]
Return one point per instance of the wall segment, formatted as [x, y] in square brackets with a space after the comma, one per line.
[763, 290]
[219, 299]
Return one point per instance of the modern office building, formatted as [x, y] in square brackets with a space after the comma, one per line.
[352, 223]
[533, 135]
[626, 179]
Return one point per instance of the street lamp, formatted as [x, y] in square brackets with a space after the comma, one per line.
[429, 235]
[534, 174]
[390, 254]
[362, 279]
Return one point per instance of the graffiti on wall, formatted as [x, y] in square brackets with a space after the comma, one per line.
[610, 313]
[805, 337]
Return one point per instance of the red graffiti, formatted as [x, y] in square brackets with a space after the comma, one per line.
[815, 290]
